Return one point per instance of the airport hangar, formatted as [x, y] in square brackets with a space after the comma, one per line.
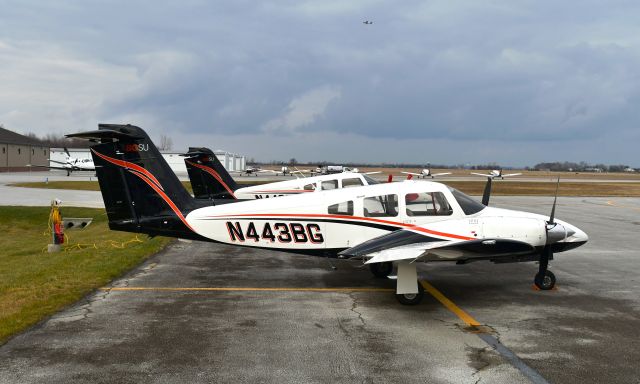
[232, 162]
[18, 151]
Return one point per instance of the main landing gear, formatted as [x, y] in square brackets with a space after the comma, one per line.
[381, 270]
[411, 298]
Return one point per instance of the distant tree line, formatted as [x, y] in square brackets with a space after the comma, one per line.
[567, 166]
[54, 140]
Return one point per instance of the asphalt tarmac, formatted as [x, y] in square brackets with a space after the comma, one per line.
[200, 312]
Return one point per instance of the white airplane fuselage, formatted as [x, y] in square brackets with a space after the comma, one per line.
[303, 185]
[336, 220]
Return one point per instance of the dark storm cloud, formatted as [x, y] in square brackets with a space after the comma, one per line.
[503, 73]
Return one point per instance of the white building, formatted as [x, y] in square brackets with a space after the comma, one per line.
[231, 161]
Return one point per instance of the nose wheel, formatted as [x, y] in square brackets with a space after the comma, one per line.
[545, 280]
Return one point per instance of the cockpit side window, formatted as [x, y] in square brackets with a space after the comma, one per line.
[353, 182]
[381, 206]
[469, 206]
[370, 180]
[329, 184]
[345, 208]
[427, 204]
[310, 187]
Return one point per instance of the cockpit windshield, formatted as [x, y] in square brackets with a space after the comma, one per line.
[469, 205]
[370, 180]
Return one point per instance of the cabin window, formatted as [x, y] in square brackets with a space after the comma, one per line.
[427, 204]
[310, 187]
[329, 184]
[381, 206]
[345, 208]
[353, 182]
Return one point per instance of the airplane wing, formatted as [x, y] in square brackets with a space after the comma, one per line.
[441, 174]
[482, 174]
[372, 173]
[410, 245]
[411, 173]
[48, 167]
[512, 174]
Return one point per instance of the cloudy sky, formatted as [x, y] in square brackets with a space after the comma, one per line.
[512, 82]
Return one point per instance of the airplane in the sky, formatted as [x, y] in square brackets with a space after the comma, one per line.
[495, 174]
[367, 22]
[70, 164]
[426, 172]
[382, 224]
[210, 180]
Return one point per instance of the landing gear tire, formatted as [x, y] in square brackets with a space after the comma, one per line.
[411, 298]
[381, 270]
[545, 281]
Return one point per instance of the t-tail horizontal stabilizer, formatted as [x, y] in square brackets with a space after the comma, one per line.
[141, 192]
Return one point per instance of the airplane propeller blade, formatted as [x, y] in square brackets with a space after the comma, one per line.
[554, 234]
[67, 151]
[553, 208]
[487, 192]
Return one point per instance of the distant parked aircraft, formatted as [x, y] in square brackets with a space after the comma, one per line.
[70, 164]
[426, 173]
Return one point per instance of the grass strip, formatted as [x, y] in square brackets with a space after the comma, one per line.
[35, 284]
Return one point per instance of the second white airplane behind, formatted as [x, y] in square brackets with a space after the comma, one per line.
[210, 180]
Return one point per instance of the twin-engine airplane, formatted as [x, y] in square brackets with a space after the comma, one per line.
[210, 180]
[426, 172]
[495, 174]
[385, 224]
[70, 164]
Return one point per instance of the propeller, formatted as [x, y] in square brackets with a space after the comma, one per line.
[67, 151]
[487, 192]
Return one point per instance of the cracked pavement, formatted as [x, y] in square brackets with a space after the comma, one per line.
[583, 332]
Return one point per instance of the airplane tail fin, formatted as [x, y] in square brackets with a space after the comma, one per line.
[141, 192]
[209, 179]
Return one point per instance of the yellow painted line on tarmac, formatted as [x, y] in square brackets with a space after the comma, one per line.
[612, 203]
[450, 305]
[244, 289]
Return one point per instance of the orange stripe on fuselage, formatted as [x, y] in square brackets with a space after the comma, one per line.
[215, 175]
[126, 164]
[413, 227]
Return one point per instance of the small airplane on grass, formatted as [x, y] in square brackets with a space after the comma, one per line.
[210, 180]
[495, 174]
[382, 224]
[426, 172]
[70, 164]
